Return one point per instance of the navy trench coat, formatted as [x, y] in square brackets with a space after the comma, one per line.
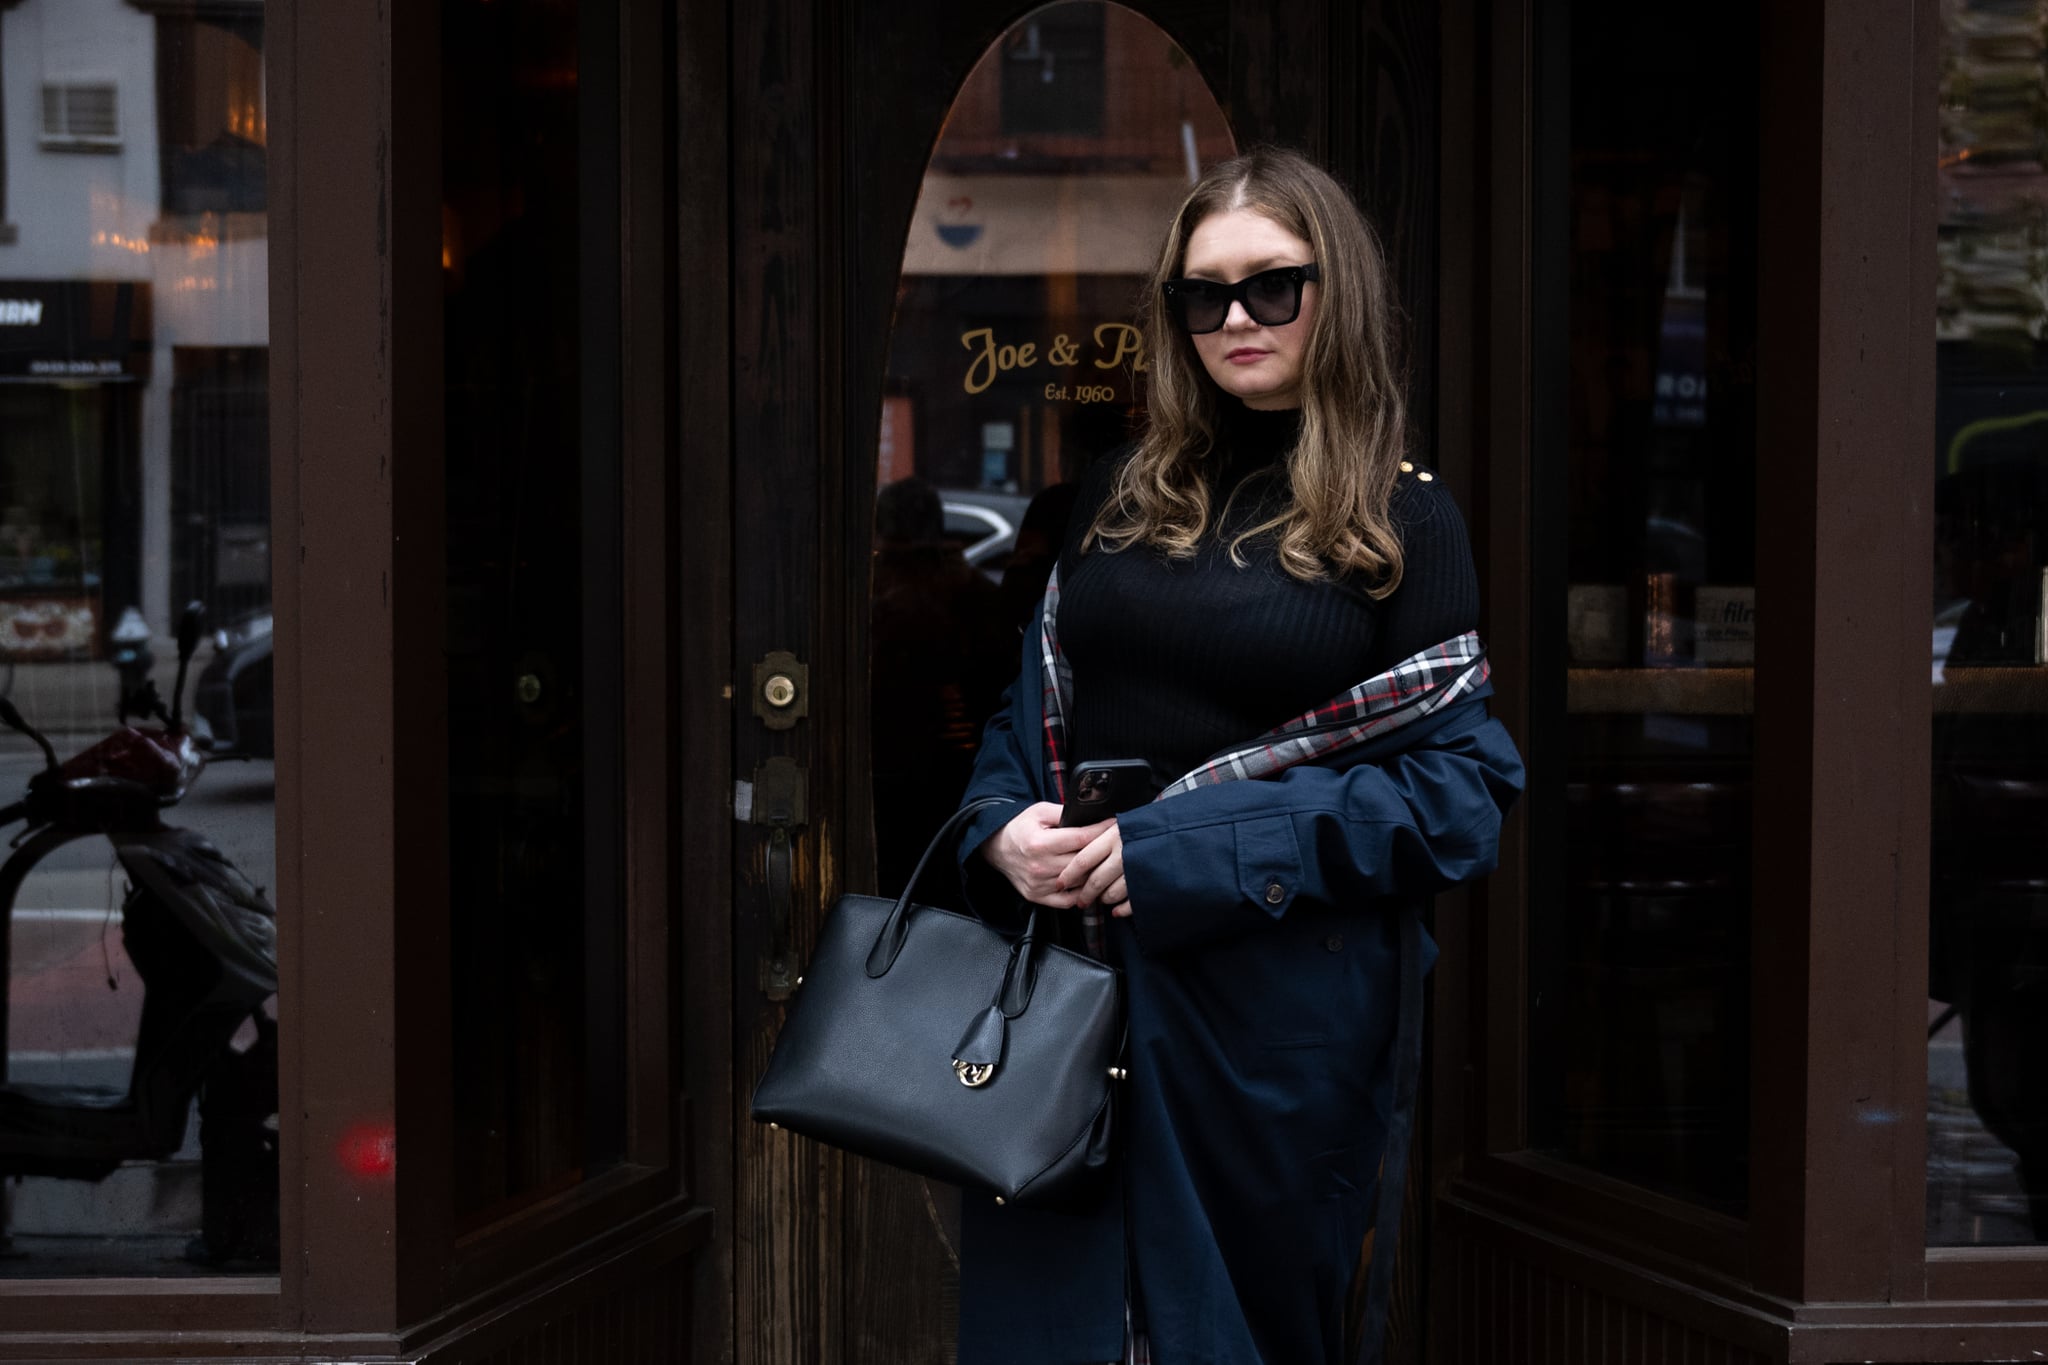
[1262, 1054]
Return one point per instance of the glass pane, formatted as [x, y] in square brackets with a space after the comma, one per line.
[531, 274]
[1015, 362]
[1640, 807]
[1987, 1075]
[138, 1114]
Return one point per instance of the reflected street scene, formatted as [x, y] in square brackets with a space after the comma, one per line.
[1987, 1059]
[138, 1105]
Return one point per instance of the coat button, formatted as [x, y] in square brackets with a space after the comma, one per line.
[1335, 943]
[1275, 893]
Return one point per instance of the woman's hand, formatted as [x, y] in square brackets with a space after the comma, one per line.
[1096, 873]
[1053, 866]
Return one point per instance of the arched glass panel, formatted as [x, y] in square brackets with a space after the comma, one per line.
[1015, 361]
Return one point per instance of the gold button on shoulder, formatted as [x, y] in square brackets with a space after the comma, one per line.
[1275, 893]
[1425, 476]
[1407, 468]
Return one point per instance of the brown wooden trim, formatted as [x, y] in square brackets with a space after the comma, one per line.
[1725, 1310]
[1985, 1273]
[652, 1243]
[1845, 424]
[37, 1310]
[1966, 1337]
[1461, 170]
[644, 1237]
[647, 492]
[1788, 328]
[1455, 1099]
[281, 166]
[421, 963]
[467, 1331]
[1913, 608]
[536, 1233]
[357, 325]
[1954, 1330]
[1501, 517]
[1601, 1210]
[700, 509]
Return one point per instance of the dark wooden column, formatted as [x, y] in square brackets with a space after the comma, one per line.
[1845, 442]
[356, 435]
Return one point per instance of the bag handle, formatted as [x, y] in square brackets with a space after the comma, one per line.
[889, 942]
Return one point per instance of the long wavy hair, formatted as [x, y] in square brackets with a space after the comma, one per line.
[1353, 421]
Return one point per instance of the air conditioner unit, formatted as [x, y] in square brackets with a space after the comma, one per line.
[81, 116]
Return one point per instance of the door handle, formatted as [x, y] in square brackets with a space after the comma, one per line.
[777, 980]
[779, 800]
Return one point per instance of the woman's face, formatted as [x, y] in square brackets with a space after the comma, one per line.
[1261, 365]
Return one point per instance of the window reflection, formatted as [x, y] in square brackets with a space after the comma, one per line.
[1640, 917]
[138, 1118]
[535, 619]
[1987, 1077]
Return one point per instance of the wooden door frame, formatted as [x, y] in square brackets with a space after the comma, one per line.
[811, 292]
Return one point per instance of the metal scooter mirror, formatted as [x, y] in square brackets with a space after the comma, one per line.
[189, 622]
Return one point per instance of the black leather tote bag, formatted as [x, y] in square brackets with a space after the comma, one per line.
[932, 1041]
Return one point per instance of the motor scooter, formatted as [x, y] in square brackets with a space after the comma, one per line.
[202, 938]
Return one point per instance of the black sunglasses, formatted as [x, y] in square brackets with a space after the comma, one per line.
[1272, 298]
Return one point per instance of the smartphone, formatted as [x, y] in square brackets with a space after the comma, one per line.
[1108, 787]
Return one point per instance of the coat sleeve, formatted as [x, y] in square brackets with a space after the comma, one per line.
[1220, 861]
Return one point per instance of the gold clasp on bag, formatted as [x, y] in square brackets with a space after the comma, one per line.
[973, 1074]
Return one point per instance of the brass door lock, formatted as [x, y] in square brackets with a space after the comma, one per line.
[781, 690]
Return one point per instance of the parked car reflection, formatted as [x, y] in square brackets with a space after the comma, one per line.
[984, 526]
[234, 693]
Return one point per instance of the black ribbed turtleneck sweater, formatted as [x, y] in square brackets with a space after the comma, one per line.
[1173, 661]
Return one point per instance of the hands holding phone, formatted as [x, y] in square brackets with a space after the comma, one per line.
[1061, 867]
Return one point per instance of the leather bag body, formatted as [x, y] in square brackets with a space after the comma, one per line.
[934, 1042]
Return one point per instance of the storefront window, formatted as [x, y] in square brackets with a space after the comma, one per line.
[1645, 541]
[1014, 363]
[530, 256]
[1987, 1075]
[138, 1107]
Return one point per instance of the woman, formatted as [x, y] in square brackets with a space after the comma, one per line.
[1264, 574]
